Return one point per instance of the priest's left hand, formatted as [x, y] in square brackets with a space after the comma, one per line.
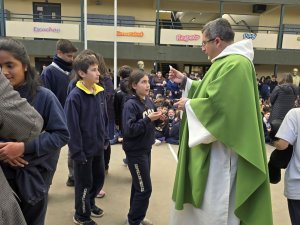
[181, 103]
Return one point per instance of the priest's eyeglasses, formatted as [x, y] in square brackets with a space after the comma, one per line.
[204, 43]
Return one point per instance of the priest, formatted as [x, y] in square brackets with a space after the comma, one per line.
[222, 174]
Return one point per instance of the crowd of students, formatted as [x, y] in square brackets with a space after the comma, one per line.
[276, 99]
[163, 93]
[76, 99]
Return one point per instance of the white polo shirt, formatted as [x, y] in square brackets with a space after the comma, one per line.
[289, 131]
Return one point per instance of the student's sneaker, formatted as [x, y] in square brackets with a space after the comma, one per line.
[157, 142]
[97, 212]
[101, 194]
[83, 222]
[146, 222]
[70, 182]
[125, 161]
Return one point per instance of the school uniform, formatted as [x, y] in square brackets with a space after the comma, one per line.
[56, 77]
[87, 121]
[173, 137]
[32, 182]
[138, 134]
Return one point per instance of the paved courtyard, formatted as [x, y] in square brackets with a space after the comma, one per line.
[117, 186]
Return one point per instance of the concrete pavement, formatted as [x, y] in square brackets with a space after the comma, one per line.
[117, 186]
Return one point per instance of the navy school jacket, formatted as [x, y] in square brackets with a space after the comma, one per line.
[87, 121]
[138, 130]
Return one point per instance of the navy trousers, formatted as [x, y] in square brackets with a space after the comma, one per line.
[89, 180]
[294, 210]
[141, 188]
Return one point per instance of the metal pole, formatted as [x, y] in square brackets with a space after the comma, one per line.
[85, 24]
[115, 42]
[276, 69]
[82, 20]
[280, 33]
[157, 22]
[157, 31]
[2, 22]
[221, 8]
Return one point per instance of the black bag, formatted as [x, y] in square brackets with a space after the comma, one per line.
[279, 159]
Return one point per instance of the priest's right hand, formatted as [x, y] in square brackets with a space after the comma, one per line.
[175, 75]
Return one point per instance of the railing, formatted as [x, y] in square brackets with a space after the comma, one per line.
[137, 23]
[107, 20]
[76, 19]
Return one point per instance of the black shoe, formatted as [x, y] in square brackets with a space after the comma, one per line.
[70, 182]
[83, 222]
[125, 161]
[97, 212]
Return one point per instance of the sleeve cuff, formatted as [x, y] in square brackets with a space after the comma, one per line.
[183, 83]
[29, 147]
[147, 119]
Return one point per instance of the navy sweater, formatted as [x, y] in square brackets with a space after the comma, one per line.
[87, 121]
[57, 81]
[138, 130]
[109, 93]
[43, 151]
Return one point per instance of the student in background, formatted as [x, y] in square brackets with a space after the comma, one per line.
[159, 84]
[138, 132]
[171, 117]
[121, 96]
[162, 128]
[87, 121]
[273, 83]
[107, 83]
[266, 125]
[57, 76]
[283, 97]
[32, 182]
[173, 137]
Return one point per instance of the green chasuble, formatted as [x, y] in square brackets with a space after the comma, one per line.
[226, 103]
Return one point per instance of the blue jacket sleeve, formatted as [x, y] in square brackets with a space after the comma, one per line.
[72, 111]
[55, 133]
[106, 138]
[46, 78]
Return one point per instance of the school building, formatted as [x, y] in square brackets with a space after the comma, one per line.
[159, 32]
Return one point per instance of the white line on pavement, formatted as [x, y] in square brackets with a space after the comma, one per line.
[173, 152]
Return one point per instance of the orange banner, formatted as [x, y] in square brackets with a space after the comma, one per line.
[130, 34]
